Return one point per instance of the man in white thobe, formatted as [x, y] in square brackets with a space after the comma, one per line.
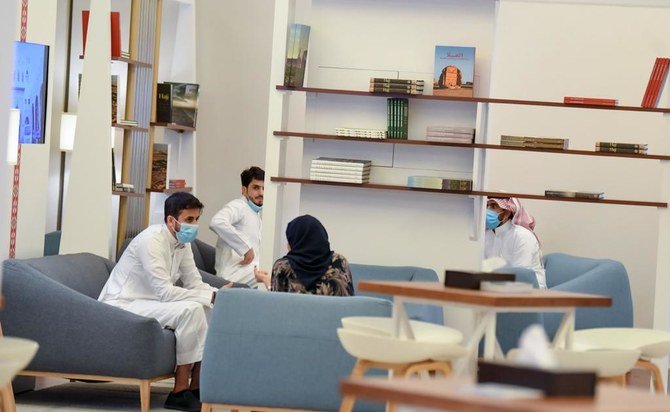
[510, 235]
[238, 227]
[143, 282]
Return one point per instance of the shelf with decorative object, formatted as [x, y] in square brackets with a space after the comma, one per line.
[126, 194]
[173, 126]
[472, 99]
[469, 193]
[305, 135]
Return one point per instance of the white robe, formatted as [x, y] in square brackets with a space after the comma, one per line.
[143, 281]
[518, 246]
[239, 229]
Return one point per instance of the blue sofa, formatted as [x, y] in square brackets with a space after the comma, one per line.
[280, 350]
[573, 274]
[427, 313]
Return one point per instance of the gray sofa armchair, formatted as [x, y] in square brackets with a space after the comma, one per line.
[53, 301]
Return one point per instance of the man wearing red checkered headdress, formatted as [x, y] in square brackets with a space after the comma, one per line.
[510, 235]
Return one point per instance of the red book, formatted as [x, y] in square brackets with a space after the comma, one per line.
[115, 25]
[652, 76]
[660, 82]
[590, 100]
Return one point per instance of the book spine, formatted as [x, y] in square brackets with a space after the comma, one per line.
[621, 145]
[84, 29]
[115, 24]
[338, 179]
[376, 88]
[620, 150]
[338, 171]
[660, 83]
[654, 82]
[378, 80]
[647, 92]
[456, 184]
[340, 164]
[590, 100]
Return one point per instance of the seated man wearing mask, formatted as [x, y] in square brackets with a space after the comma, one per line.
[510, 235]
[143, 282]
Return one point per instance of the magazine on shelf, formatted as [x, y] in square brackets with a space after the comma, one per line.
[454, 73]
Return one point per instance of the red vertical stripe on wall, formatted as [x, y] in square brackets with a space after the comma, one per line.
[17, 167]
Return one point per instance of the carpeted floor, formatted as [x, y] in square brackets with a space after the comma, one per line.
[82, 397]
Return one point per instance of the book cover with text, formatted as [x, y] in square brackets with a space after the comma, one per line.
[454, 73]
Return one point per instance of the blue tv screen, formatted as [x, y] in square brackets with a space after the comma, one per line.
[31, 62]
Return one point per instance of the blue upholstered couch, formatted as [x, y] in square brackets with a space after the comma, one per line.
[280, 350]
[573, 274]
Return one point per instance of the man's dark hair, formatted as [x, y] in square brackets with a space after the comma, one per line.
[180, 201]
[250, 174]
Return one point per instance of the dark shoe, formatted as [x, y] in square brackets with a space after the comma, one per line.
[196, 393]
[182, 401]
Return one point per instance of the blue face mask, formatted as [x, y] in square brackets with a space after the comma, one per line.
[187, 233]
[254, 206]
[492, 220]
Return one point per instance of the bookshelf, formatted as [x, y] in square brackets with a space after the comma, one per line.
[126, 60]
[172, 126]
[467, 146]
[127, 194]
[131, 128]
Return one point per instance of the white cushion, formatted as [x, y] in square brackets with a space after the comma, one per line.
[651, 343]
[423, 331]
[379, 348]
[606, 363]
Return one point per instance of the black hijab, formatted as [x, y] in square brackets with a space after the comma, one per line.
[310, 254]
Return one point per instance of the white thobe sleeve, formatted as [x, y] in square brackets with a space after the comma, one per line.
[156, 261]
[223, 225]
[189, 274]
[524, 252]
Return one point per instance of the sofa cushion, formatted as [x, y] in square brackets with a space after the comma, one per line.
[84, 272]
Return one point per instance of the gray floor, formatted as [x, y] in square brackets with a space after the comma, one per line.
[78, 396]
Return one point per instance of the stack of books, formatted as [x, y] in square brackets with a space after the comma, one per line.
[576, 194]
[656, 82]
[640, 148]
[176, 183]
[596, 101]
[124, 187]
[450, 134]
[125, 54]
[355, 132]
[534, 142]
[331, 169]
[433, 182]
[126, 122]
[395, 86]
[398, 118]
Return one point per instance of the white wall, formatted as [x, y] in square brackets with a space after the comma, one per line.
[233, 52]
[603, 54]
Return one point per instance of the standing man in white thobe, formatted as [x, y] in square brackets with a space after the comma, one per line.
[238, 226]
[510, 235]
[143, 282]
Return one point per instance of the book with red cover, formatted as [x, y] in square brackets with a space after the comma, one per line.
[659, 83]
[115, 25]
[652, 76]
[590, 100]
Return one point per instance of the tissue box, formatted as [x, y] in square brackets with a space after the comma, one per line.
[473, 280]
[551, 382]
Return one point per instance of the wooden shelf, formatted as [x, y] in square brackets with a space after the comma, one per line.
[173, 126]
[469, 193]
[127, 194]
[468, 145]
[472, 99]
[171, 191]
[129, 127]
[126, 60]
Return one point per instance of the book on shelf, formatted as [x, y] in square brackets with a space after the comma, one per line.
[450, 134]
[620, 150]
[656, 82]
[436, 130]
[176, 183]
[617, 145]
[425, 182]
[380, 80]
[399, 86]
[339, 172]
[297, 43]
[126, 122]
[342, 162]
[177, 103]
[115, 31]
[159, 166]
[340, 179]
[357, 132]
[450, 139]
[398, 118]
[454, 73]
[596, 101]
[124, 187]
[396, 90]
[338, 168]
[457, 184]
[574, 194]
[534, 142]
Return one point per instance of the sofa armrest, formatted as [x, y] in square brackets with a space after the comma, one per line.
[78, 334]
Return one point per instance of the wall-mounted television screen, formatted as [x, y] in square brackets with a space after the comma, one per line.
[31, 62]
